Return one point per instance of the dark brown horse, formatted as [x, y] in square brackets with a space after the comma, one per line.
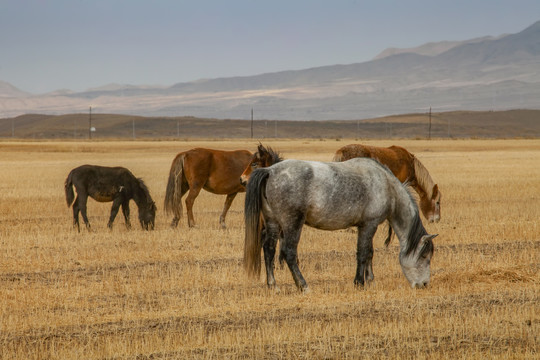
[406, 167]
[105, 184]
[215, 171]
[262, 158]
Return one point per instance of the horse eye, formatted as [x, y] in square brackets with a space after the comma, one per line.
[254, 164]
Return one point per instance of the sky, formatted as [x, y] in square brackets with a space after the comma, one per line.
[48, 45]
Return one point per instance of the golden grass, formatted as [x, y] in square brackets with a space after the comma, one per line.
[183, 293]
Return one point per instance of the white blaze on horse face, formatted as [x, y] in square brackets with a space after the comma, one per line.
[436, 215]
[244, 179]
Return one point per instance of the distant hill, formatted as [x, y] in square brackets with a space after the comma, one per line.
[9, 91]
[457, 124]
[432, 48]
[480, 74]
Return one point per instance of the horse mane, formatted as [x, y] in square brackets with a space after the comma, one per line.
[423, 178]
[275, 156]
[145, 190]
[415, 234]
[408, 189]
[416, 231]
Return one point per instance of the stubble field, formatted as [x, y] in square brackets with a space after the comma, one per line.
[182, 293]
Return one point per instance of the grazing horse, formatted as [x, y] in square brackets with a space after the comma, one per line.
[331, 196]
[406, 167]
[105, 184]
[215, 171]
[263, 157]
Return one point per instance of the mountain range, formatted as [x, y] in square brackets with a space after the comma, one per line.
[489, 73]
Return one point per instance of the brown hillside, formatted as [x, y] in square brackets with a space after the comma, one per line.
[458, 124]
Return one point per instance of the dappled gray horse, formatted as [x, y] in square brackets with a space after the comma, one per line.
[330, 196]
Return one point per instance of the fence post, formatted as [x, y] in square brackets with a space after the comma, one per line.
[429, 135]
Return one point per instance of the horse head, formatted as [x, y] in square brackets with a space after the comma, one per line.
[415, 262]
[263, 157]
[431, 205]
[147, 215]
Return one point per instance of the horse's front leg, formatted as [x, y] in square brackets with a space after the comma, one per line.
[269, 236]
[82, 206]
[226, 207]
[125, 211]
[114, 210]
[364, 254]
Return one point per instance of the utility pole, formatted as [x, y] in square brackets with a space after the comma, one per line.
[252, 123]
[133, 124]
[429, 136]
[90, 123]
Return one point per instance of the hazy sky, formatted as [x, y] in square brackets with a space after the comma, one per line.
[47, 45]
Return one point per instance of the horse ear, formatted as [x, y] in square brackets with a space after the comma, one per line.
[435, 191]
[260, 148]
[428, 237]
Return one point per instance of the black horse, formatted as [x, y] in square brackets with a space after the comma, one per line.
[104, 184]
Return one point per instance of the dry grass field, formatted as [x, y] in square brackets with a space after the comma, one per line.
[183, 293]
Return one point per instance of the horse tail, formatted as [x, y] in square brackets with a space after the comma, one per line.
[338, 156]
[389, 237]
[252, 217]
[173, 195]
[68, 188]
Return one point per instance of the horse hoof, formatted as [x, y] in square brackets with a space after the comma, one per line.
[358, 285]
[274, 288]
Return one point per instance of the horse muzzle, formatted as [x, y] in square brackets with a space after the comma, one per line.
[420, 285]
[435, 219]
[243, 181]
[147, 225]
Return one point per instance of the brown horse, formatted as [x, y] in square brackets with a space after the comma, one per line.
[262, 158]
[406, 167]
[215, 171]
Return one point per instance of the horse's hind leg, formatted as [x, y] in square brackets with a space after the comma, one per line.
[76, 214]
[269, 239]
[177, 211]
[82, 207]
[190, 200]
[289, 246]
[226, 207]
[364, 254]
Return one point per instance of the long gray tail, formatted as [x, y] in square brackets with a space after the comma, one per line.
[389, 237]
